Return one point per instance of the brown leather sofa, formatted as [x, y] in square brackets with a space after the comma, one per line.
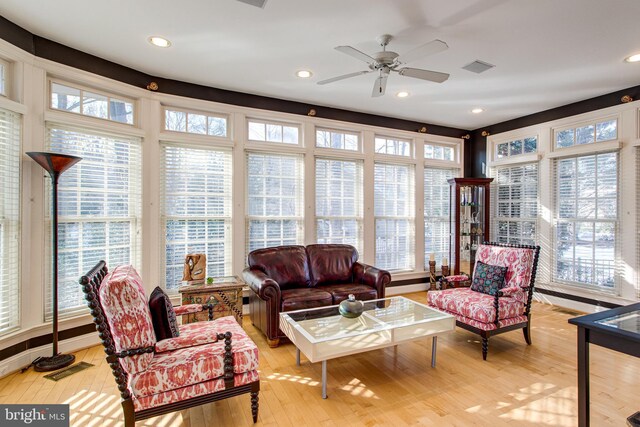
[286, 278]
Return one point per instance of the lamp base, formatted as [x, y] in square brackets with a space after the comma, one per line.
[53, 363]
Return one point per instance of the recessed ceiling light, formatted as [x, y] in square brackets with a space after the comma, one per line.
[402, 94]
[633, 58]
[159, 41]
[477, 110]
[304, 74]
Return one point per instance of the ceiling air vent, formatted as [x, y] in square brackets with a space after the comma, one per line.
[478, 66]
[256, 3]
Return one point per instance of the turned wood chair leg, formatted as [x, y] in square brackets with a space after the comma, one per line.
[254, 406]
[527, 333]
[485, 347]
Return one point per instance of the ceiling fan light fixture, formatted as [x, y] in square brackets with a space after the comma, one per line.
[477, 110]
[632, 58]
[159, 41]
[304, 74]
[402, 94]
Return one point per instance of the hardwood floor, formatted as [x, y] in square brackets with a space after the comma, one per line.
[518, 385]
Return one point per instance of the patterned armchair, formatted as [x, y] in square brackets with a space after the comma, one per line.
[509, 308]
[208, 361]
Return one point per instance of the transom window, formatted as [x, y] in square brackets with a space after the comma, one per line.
[91, 103]
[516, 147]
[194, 122]
[273, 132]
[439, 152]
[392, 146]
[587, 220]
[339, 140]
[590, 133]
[3, 77]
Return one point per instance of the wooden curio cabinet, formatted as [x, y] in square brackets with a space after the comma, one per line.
[469, 221]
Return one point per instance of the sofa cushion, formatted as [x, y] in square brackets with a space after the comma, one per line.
[488, 279]
[474, 305]
[125, 308]
[297, 299]
[341, 291]
[331, 263]
[287, 265]
[192, 365]
[163, 317]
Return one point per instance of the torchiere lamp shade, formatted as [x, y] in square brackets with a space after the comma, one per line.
[54, 162]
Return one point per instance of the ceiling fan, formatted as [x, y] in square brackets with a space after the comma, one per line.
[387, 61]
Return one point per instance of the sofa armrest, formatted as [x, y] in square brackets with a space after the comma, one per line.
[371, 276]
[258, 281]
[506, 292]
[187, 309]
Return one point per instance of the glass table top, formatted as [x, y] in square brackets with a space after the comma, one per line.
[326, 323]
[626, 321]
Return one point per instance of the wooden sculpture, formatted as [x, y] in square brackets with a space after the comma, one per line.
[195, 268]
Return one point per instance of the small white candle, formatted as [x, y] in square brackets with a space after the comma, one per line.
[444, 262]
[432, 257]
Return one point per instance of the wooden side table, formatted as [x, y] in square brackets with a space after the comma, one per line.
[225, 294]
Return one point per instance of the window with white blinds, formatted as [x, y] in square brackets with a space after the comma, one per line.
[515, 204]
[394, 212]
[196, 209]
[586, 215]
[9, 221]
[436, 213]
[99, 207]
[339, 201]
[274, 200]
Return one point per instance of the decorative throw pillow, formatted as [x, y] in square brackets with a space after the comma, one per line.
[163, 317]
[487, 278]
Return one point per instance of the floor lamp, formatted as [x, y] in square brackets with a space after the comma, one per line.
[55, 164]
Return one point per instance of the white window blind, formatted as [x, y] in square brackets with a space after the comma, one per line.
[586, 220]
[196, 209]
[274, 200]
[436, 213]
[99, 206]
[9, 221]
[339, 202]
[515, 203]
[394, 212]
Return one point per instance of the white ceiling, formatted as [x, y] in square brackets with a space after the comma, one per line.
[547, 52]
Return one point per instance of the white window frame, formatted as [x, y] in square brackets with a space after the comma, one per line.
[453, 163]
[581, 124]
[393, 139]
[341, 132]
[83, 89]
[518, 156]
[187, 112]
[5, 78]
[441, 219]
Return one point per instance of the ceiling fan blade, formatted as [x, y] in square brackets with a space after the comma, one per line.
[342, 77]
[432, 76]
[431, 48]
[380, 86]
[352, 51]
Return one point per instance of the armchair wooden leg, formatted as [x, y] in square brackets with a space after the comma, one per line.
[254, 406]
[527, 333]
[485, 347]
[129, 415]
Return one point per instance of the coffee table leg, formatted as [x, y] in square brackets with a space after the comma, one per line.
[324, 379]
[433, 351]
[298, 356]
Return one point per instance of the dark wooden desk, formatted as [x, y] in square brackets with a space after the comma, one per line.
[617, 329]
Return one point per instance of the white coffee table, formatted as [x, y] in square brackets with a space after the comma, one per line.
[323, 334]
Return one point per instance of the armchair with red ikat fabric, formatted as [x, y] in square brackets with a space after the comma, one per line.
[499, 299]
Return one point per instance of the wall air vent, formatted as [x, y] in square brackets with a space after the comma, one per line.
[478, 66]
[256, 3]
